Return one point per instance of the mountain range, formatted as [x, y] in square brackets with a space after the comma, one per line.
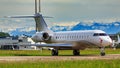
[109, 28]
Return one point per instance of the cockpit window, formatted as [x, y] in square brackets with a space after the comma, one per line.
[96, 34]
[100, 34]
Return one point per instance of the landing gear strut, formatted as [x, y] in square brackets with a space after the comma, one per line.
[54, 52]
[76, 52]
[102, 49]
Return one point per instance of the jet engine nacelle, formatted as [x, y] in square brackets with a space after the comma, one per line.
[41, 37]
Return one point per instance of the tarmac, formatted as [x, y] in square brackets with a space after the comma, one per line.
[58, 58]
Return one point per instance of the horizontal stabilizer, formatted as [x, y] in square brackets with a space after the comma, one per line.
[25, 16]
[20, 16]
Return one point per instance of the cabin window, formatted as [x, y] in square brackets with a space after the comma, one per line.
[56, 37]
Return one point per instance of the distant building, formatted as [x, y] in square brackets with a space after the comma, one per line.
[113, 36]
[12, 43]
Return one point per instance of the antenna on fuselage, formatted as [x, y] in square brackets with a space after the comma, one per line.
[37, 7]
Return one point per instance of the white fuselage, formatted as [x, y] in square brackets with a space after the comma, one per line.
[78, 38]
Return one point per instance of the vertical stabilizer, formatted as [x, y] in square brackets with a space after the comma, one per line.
[40, 22]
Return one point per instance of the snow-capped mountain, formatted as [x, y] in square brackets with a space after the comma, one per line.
[110, 28]
[18, 32]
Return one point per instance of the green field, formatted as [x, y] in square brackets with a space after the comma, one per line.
[48, 53]
[59, 64]
[63, 64]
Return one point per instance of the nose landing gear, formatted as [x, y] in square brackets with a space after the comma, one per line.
[102, 50]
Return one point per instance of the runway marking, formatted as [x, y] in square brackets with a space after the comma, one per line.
[57, 58]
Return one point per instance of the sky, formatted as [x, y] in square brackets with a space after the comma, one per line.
[62, 11]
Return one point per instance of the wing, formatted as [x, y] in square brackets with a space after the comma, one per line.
[75, 45]
[61, 46]
[48, 45]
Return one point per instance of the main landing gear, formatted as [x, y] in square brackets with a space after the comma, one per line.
[77, 52]
[55, 52]
[102, 50]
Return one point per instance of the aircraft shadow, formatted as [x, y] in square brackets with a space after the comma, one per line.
[58, 55]
[81, 55]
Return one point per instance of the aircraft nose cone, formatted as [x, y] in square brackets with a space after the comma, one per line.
[109, 42]
[106, 42]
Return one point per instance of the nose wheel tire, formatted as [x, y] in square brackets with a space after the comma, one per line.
[102, 54]
[76, 52]
[54, 52]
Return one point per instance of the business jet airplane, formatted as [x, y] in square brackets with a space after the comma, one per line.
[66, 40]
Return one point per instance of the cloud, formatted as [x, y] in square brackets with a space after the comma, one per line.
[8, 25]
[116, 24]
[79, 10]
[66, 23]
[107, 20]
[65, 12]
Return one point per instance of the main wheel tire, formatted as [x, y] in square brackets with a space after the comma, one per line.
[54, 52]
[76, 52]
